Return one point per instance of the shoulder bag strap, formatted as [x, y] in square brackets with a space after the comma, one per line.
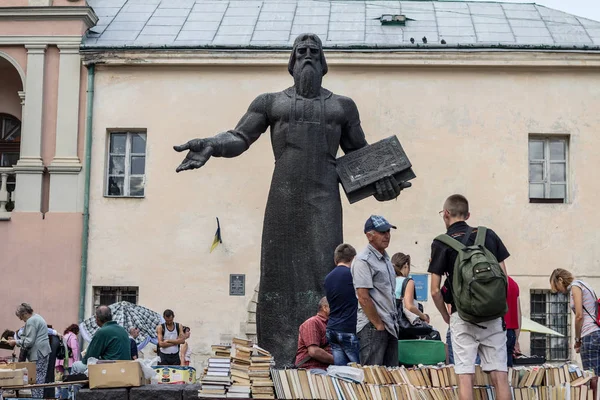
[595, 302]
[480, 239]
[404, 284]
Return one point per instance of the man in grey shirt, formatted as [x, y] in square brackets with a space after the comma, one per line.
[375, 283]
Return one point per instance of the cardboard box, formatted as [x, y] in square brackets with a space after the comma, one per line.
[20, 365]
[116, 375]
[175, 374]
[12, 377]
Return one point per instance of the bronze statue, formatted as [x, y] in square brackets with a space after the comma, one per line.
[303, 216]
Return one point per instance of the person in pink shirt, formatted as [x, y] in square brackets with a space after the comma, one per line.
[70, 339]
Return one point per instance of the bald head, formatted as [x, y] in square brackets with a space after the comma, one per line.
[103, 315]
[323, 304]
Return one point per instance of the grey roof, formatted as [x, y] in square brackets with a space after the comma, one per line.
[340, 24]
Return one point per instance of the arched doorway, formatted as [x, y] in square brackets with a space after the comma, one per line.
[10, 127]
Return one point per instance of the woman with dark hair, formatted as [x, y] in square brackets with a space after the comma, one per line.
[584, 304]
[35, 341]
[186, 351]
[70, 340]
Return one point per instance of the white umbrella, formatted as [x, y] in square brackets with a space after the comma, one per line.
[528, 325]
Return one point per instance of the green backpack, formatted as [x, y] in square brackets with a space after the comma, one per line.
[479, 284]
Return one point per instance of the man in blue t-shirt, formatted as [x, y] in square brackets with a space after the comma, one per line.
[343, 305]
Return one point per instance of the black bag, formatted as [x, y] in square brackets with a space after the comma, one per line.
[61, 354]
[408, 330]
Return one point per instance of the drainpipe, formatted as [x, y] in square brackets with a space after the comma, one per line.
[86, 195]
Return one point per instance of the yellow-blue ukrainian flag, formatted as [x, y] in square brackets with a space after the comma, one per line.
[217, 238]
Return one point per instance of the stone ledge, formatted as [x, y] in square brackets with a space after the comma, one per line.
[29, 165]
[65, 166]
[190, 392]
[102, 394]
[157, 392]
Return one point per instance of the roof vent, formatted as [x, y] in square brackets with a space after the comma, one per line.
[393, 19]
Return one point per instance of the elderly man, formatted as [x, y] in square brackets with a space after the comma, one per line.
[111, 341]
[375, 282]
[133, 334]
[313, 351]
[303, 217]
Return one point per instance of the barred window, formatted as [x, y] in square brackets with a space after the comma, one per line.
[107, 295]
[551, 310]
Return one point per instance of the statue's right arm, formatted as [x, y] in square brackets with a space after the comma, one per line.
[253, 124]
[231, 143]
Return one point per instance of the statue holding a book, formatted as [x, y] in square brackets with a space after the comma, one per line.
[303, 216]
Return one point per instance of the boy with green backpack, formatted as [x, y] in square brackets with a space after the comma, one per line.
[472, 259]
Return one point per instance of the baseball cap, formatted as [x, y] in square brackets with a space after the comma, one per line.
[377, 223]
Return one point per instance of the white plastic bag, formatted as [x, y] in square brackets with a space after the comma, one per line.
[147, 364]
[348, 373]
[92, 361]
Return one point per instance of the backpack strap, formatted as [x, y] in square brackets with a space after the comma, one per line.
[450, 242]
[466, 237]
[480, 239]
[404, 285]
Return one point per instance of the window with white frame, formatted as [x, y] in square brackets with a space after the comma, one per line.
[126, 164]
[548, 169]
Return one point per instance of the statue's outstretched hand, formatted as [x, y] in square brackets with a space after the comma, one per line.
[198, 154]
[388, 188]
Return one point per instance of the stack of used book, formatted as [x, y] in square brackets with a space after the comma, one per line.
[261, 362]
[217, 375]
[241, 351]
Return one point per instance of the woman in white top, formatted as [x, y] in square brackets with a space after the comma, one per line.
[186, 350]
[584, 304]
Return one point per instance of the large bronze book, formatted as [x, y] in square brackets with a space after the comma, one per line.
[358, 171]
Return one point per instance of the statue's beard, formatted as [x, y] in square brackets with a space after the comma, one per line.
[307, 79]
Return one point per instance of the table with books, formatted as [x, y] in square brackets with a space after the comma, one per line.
[243, 370]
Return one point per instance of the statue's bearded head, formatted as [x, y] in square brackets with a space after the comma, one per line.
[307, 64]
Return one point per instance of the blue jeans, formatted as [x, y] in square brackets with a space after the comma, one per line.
[344, 346]
[511, 341]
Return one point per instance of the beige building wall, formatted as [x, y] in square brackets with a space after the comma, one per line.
[464, 127]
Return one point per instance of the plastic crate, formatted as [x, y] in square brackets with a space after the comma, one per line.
[426, 352]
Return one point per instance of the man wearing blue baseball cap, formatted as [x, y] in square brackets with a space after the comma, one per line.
[375, 283]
